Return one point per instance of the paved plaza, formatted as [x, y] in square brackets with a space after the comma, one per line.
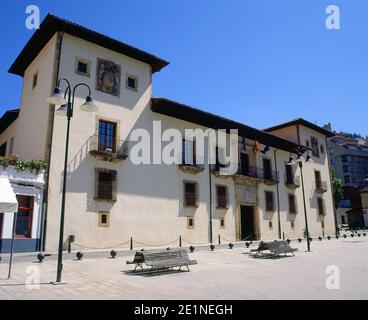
[222, 274]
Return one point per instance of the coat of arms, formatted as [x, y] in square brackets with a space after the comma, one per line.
[108, 77]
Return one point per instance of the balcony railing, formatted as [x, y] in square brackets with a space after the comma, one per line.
[321, 187]
[292, 182]
[268, 176]
[116, 152]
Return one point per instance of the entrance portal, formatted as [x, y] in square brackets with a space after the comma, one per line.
[247, 223]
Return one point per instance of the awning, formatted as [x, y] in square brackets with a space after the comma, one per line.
[8, 200]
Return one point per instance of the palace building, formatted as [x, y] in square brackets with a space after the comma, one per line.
[109, 199]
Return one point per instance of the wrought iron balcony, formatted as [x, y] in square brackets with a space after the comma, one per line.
[113, 152]
[268, 176]
[321, 187]
[193, 167]
[292, 182]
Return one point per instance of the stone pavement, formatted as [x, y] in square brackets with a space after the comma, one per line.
[222, 274]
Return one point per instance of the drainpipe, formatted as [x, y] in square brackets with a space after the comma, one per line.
[332, 188]
[210, 198]
[278, 196]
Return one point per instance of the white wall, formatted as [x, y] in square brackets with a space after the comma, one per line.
[31, 134]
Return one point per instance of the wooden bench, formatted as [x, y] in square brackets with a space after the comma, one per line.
[162, 260]
[274, 248]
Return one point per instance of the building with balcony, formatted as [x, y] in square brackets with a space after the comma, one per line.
[110, 198]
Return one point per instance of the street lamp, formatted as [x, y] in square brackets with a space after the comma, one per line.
[300, 160]
[66, 103]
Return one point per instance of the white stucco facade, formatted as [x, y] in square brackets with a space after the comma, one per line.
[149, 205]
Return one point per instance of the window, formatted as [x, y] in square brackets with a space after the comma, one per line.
[289, 174]
[323, 225]
[132, 82]
[24, 216]
[220, 158]
[190, 194]
[106, 185]
[104, 219]
[347, 179]
[270, 225]
[267, 171]
[11, 146]
[1, 224]
[244, 164]
[344, 159]
[292, 204]
[315, 147]
[322, 148]
[321, 207]
[189, 152]
[317, 176]
[222, 223]
[3, 150]
[269, 201]
[343, 221]
[34, 80]
[292, 225]
[346, 168]
[82, 67]
[307, 143]
[106, 136]
[222, 197]
[190, 223]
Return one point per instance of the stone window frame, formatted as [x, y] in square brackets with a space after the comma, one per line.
[273, 201]
[87, 62]
[117, 133]
[127, 76]
[191, 225]
[114, 185]
[222, 223]
[292, 225]
[270, 225]
[227, 196]
[295, 203]
[35, 80]
[100, 223]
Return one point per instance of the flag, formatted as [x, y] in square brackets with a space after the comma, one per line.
[256, 148]
[266, 149]
[244, 144]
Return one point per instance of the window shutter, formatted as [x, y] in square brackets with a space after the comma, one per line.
[188, 152]
[97, 176]
[296, 204]
[227, 198]
[185, 194]
[114, 186]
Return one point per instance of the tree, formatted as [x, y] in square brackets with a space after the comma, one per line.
[337, 188]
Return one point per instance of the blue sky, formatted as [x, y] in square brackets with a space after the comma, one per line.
[260, 62]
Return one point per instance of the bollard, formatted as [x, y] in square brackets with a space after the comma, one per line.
[219, 239]
[180, 244]
[131, 243]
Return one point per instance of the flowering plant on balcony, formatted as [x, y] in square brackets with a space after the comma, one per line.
[32, 166]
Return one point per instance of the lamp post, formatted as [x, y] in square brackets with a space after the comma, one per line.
[300, 160]
[66, 102]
